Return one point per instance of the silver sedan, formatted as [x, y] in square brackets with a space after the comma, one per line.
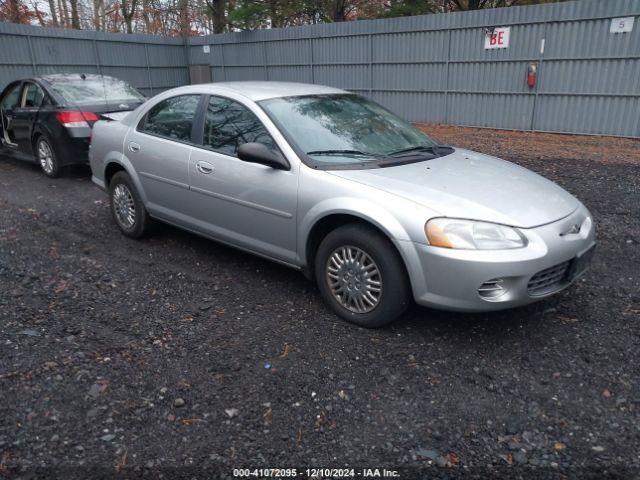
[332, 184]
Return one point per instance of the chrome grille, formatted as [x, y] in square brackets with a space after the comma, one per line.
[548, 280]
[491, 288]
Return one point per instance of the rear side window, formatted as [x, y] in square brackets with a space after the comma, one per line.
[228, 124]
[32, 96]
[172, 118]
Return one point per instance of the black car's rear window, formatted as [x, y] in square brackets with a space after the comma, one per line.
[95, 90]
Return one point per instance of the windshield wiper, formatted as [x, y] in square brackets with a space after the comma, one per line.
[345, 152]
[420, 148]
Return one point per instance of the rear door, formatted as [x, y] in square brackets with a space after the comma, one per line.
[247, 204]
[25, 115]
[159, 148]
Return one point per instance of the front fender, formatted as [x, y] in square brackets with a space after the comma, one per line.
[363, 209]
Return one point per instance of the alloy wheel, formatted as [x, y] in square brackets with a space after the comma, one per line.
[124, 206]
[354, 279]
[45, 157]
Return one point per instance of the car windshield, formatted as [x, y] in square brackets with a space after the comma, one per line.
[345, 129]
[95, 89]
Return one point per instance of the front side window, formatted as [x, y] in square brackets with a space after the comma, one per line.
[11, 99]
[32, 96]
[172, 118]
[228, 124]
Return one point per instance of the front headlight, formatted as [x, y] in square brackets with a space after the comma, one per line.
[472, 235]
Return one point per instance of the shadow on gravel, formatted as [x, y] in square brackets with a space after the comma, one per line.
[71, 171]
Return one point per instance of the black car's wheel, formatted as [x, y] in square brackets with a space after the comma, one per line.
[47, 157]
[361, 276]
[127, 208]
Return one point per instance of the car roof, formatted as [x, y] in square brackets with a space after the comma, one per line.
[263, 90]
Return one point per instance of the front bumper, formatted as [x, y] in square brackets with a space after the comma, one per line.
[451, 279]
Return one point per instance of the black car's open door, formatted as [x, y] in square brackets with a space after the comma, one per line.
[9, 100]
[24, 116]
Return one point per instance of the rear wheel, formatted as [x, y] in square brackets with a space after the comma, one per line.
[361, 276]
[47, 157]
[127, 208]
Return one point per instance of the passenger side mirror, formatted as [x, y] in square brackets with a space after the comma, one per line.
[259, 153]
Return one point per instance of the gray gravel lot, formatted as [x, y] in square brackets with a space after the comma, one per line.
[178, 357]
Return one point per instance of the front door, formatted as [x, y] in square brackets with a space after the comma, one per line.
[159, 149]
[250, 205]
[9, 102]
[25, 114]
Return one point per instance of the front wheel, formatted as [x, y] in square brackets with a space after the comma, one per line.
[361, 276]
[127, 208]
[47, 158]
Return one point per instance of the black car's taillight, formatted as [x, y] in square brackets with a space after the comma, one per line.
[76, 119]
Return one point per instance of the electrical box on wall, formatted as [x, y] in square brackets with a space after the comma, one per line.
[199, 74]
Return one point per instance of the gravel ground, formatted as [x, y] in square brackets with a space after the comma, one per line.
[176, 357]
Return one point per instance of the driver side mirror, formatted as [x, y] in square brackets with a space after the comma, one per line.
[259, 153]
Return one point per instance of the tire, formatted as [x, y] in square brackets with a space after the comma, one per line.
[47, 157]
[351, 288]
[127, 208]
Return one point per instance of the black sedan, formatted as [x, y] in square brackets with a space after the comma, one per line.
[48, 119]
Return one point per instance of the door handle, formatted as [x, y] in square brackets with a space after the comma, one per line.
[204, 167]
[134, 147]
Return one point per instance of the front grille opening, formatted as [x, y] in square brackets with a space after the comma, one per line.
[492, 289]
[548, 280]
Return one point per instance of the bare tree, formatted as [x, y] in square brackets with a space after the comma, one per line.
[64, 13]
[128, 12]
[98, 14]
[184, 23]
[75, 19]
[52, 12]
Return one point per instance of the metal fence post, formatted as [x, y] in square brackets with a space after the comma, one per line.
[446, 86]
[146, 56]
[187, 54]
[224, 73]
[264, 60]
[96, 53]
[540, 60]
[32, 56]
[313, 73]
[370, 65]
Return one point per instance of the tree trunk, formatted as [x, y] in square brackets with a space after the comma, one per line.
[64, 15]
[218, 16]
[52, 10]
[128, 14]
[183, 18]
[39, 15]
[98, 11]
[338, 11]
[145, 16]
[276, 21]
[75, 19]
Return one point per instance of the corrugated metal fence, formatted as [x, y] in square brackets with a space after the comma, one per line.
[148, 62]
[431, 68]
[434, 68]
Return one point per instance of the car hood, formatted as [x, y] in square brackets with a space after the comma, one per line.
[471, 185]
